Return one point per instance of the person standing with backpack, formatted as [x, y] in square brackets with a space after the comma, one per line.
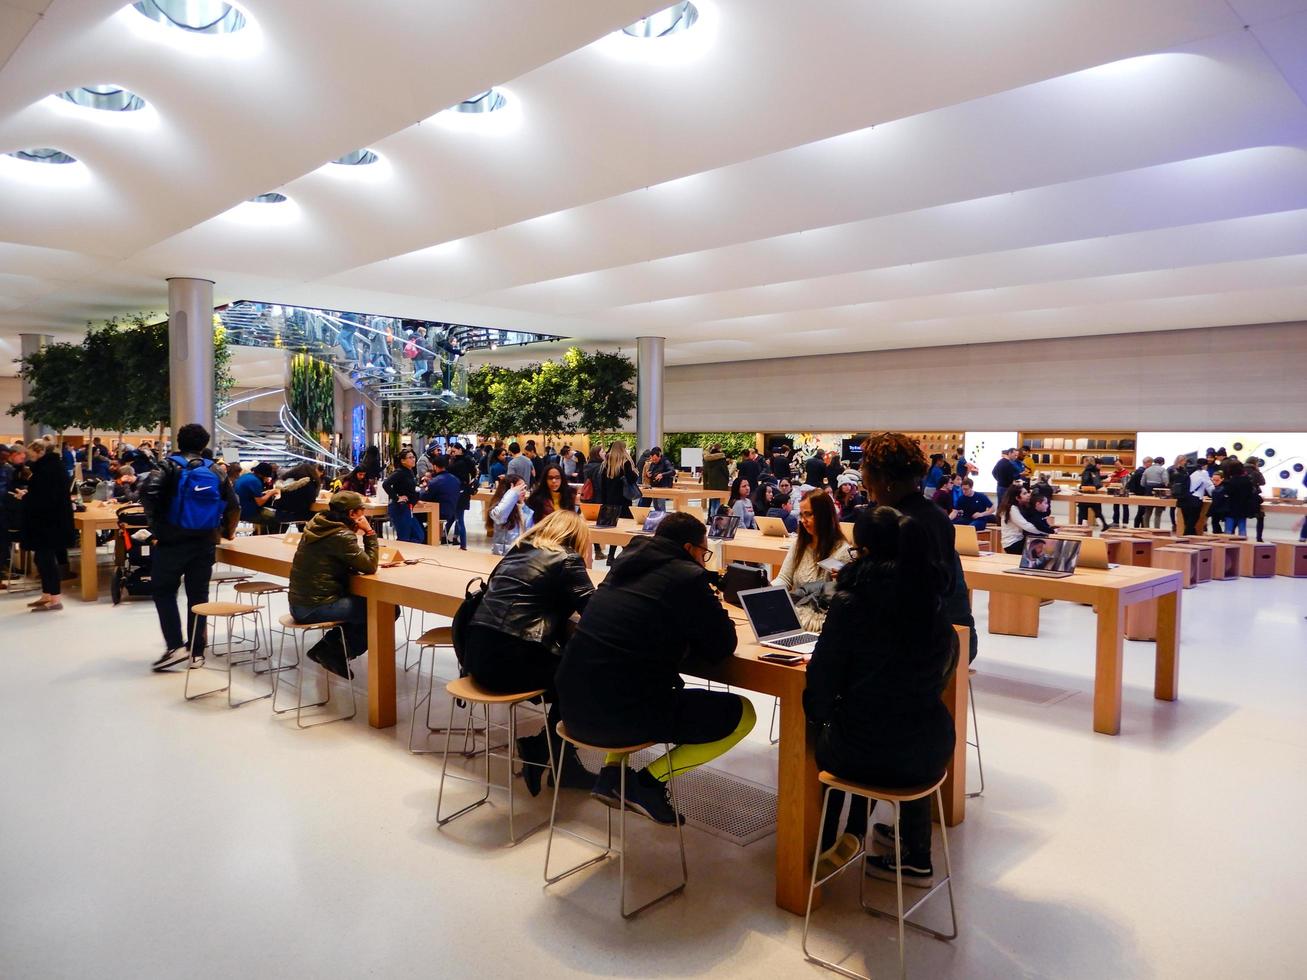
[189, 505]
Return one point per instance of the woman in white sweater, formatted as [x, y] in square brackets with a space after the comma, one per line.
[507, 515]
[1013, 526]
[819, 538]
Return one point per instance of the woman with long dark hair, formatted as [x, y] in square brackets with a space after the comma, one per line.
[874, 686]
[47, 510]
[1013, 525]
[819, 538]
[507, 515]
[371, 463]
[552, 493]
[402, 488]
[740, 504]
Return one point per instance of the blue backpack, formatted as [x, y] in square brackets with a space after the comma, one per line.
[196, 503]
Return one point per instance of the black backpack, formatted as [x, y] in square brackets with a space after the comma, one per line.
[1134, 482]
[472, 597]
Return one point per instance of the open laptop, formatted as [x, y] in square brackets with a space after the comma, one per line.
[640, 514]
[651, 521]
[774, 621]
[723, 526]
[1093, 554]
[609, 515]
[1048, 558]
[773, 527]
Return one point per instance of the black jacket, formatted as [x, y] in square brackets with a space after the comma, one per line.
[611, 491]
[751, 470]
[297, 504]
[156, 495]
[957, 604]
[401, 483]
[532, 593]
[1241, 497]
[814, 471]
[876, 678]
[48, 507]
[620, 677]
[1005, 472]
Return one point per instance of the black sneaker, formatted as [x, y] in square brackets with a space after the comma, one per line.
[607, 788]
[534, 753]
[171, 658]
[647, 795]
[916, 872]
[335, 664]
[883, 834]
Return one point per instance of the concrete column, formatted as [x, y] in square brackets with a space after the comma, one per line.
[648, 393]
[190, 352]
[31, 343]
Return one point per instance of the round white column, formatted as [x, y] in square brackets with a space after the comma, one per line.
[190, 353]
[649, 393]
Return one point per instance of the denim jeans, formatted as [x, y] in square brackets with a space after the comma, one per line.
[406, 525]
[1241, 523]
[352, 609]
[456, 524]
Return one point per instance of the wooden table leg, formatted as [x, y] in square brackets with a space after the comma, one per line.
[798, 804]
[381, 663]
[1107, 664]
[1166, 679]
[90, 574]
[955, 697]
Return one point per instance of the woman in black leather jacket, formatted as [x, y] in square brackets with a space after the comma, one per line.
[875, 681]
[515, 638]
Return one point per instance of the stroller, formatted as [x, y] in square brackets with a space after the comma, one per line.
[133, 556]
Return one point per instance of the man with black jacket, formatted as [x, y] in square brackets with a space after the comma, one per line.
[619, 682]
[892, 467]
[814, 470]
[1006, 471]
[749, 468]
[182, 554]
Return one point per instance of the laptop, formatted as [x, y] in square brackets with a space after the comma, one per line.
[651, 521]
[774, 621]
[723, 526]
[772, 527]
[640, 514]
[609, 515]
[1093, 554]
[1048, 558]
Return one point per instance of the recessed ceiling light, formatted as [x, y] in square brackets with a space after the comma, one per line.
[111, 98]
[488, 101]
[196, 16]
[43, 154]
[272, 197]
[677, 17]
[357, 158]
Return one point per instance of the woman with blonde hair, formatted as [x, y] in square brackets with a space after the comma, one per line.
[515, 638]
[616, 477]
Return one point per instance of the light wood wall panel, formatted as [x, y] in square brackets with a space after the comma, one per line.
[1252, 377]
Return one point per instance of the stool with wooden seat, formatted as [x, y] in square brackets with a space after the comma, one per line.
[435, 638]
[469, 691]
[231, 611]
[260, 591]
[299, 631]
[895, 797]
[218, 579]
[608, 849]
[975, 727]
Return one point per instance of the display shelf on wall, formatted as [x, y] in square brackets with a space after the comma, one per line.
[1065, 452]
[939, 441]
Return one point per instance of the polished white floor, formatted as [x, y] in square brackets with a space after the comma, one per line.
[141, 836]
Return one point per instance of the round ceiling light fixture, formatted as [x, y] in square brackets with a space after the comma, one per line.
[488, 101]
[42, 154]
[110, 98]
[272, 197]
[674, 19]
[357, 158]
[195, 16]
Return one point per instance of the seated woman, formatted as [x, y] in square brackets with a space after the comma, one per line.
[507, 515]
[402, 488]
[298, 492]
[819, 538]
[740, 504]
[1013, 524]
[551, 493]
[514, 639]
[327, 555]
[358, 481]
[620, 682]
[874, 686]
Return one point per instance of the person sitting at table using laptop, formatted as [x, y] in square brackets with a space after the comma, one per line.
[819, 538]
[514, 639]
[552, 493]
[327, 555]
[782, 508]
[619, 682]
[874, 686]
[1013, 524]
[507, 515]
[740, 504]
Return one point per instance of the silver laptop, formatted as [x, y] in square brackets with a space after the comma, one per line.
[774, 621]
[772, 527]
[1048, 558]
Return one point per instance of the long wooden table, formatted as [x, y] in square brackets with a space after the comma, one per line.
[440, 588]
[1133, 500]
[681, 496]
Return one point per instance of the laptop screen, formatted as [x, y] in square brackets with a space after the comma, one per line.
[723, 525]
[1050, 555]
[770, 611]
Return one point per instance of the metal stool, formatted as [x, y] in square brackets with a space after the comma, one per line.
[298, 630]
[896, 797]
[625, 750]
[260, 591]
[975, 727]
[439, 636]
[772, 735]
[466, 689]
[230, 611]
[219, 579]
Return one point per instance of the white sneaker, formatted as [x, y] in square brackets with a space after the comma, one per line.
[170, 658]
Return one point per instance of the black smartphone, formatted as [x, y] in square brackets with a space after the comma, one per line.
[789, 659]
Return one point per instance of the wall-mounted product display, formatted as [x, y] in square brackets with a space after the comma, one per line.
[982, 450]
[1283, 454]
[1063, 454]
[939, 442]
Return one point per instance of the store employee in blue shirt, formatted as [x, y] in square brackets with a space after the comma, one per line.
[973, 508]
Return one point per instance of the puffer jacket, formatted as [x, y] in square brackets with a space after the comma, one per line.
[328, 553]
[532, 593]
[716, 472]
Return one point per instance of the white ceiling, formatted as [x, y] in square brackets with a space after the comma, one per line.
[781, 179]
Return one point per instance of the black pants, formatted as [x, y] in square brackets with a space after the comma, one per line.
[1120, 513]
[47, 563]
[696, 716]
[1015, 548]
[508, 664]
[1091, 513]
[1189, 509]
[1218, 523]
[189, 560]
[1261, 523]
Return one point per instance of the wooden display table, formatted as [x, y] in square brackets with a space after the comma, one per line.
[98, 516]
[1073, 499]
[372, 506]
[1291, 559]
[681, 498]
[440, 588]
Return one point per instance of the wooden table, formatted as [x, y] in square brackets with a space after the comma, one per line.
[681, 497]
[1133, 500]
[440, 589]
[96, 518]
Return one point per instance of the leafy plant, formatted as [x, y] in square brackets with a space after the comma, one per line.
[313, 393]
[57, 375]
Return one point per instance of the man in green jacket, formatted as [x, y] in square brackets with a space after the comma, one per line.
[716, 474]
[328, 554]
